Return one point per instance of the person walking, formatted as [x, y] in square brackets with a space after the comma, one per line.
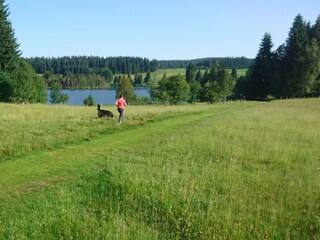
[120, 103]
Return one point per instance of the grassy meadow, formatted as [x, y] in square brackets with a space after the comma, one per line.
[158, 75]
[246, 170]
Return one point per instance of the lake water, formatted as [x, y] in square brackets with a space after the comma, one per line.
[105, 97]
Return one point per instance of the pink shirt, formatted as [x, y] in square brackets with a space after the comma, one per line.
[121, 103]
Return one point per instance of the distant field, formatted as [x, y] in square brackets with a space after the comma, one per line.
[241, 72]
[158, 75]
[170, 72]
[244, 170]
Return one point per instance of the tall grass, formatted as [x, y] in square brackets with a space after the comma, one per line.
[25, 129]
[226, 172]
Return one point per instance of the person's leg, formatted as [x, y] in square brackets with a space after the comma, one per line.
[120, 110]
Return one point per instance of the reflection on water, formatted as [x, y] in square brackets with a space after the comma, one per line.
[105, 97]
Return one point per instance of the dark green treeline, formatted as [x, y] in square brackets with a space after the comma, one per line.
[98, 72]
[292, 70]
[124, 65]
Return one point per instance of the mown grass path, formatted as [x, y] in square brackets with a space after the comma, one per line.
[40, 169]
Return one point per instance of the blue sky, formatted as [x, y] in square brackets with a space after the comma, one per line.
[155, 29]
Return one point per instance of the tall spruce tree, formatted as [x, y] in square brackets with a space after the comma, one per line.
[234, 73]
[297, 70]
[9, 52]
[191, 72]
[198, 77]
[260, 74]
[316, 30]
[147, 78]
[315, 51]
[278, 85]
[27, 86]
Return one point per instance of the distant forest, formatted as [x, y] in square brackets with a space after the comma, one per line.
[79, 72]
[125, 65]
[207, 63]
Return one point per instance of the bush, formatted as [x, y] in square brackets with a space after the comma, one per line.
[141, 100]
[6, 87]
[270, 98]
[89, 101]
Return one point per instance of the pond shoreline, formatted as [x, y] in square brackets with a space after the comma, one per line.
[101, 96]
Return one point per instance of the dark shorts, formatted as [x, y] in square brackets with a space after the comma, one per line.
[120, 110]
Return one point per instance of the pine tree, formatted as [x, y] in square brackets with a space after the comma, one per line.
[138, 79]
[260, 74]
[9, 52]
[27, 86]
[191, 72]
[278, 85]
[316, 30]
[147, 79]
[234, 73]
[296, 68]
[314, 50]
[205, 78]
[55, 93]
[198, 77]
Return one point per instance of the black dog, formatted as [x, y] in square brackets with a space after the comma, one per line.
[104, 113]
